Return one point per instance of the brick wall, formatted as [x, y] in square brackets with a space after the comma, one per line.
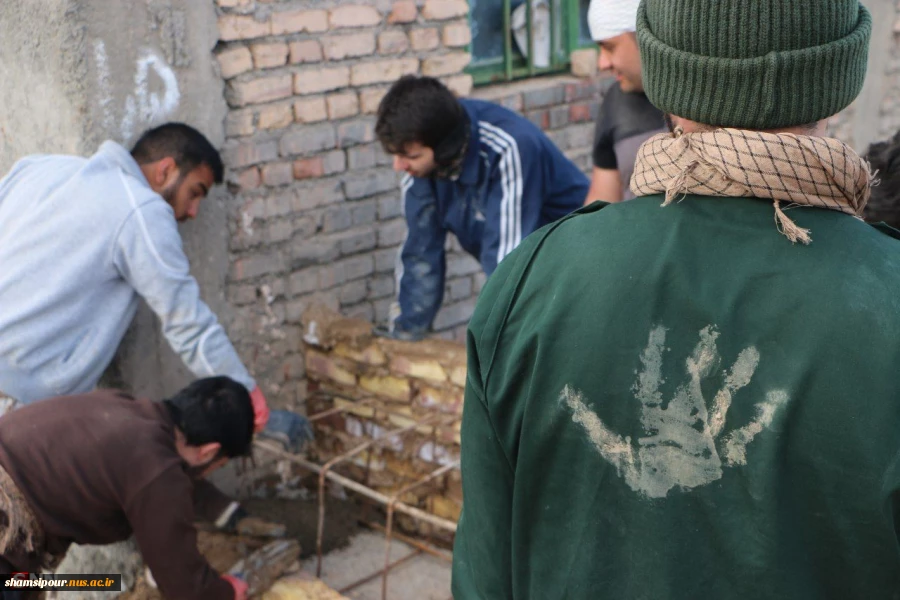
[382, 386]
[315, 211]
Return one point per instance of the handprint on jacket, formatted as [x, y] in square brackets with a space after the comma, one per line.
[684, 444]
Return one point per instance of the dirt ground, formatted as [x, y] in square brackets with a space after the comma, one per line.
[300, 517]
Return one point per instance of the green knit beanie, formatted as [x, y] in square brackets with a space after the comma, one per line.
[753, 64]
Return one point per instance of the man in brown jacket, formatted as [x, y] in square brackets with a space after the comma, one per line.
[99, 467]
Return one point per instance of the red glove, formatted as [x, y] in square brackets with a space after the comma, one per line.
[260, 409]
[240, 586]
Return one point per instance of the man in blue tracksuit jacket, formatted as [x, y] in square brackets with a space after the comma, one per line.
[473, 168]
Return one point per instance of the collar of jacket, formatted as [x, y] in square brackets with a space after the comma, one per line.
[469, 173]
[123, 159]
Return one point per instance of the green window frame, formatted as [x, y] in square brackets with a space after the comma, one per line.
[568, 32]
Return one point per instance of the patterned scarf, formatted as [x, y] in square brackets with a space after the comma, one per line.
[799, 170]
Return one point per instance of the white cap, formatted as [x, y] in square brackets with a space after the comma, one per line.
[609, 18]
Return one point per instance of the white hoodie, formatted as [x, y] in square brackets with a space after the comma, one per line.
[81, 240]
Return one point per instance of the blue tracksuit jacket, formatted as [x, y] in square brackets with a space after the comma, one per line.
[514, 181]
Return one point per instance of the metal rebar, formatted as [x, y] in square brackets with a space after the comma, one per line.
[440, 523]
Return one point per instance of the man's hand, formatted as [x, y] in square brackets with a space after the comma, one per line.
[260, 409]
[262, 568]
[289, 429]
[242, 522]
[240, 586]
[397, 334]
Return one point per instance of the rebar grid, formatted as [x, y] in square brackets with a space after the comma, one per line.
[393, 503]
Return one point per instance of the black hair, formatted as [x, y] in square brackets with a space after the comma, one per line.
[215, 409]
[423, 110]
[884, 205]
[186, 145]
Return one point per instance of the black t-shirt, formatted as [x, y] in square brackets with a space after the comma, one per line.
[626, 121]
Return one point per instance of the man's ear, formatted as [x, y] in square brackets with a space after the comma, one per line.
[209, 451]
[165, 172]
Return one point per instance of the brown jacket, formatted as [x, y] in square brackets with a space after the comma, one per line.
[96, 468]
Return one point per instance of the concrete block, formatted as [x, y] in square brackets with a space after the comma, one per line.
[559, 116]
[353, 292]
[334, 162]
[391, 233]
[356, 132]
[381, 287]
[364, 213]
[461, 85]
[361, 157]
[369, 183]
[277, 174]
[312, 138]
[256, 265]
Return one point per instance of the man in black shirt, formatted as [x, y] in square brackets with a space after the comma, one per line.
[626, 119]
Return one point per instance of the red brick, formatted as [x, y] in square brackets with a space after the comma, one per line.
[305, 51]
[445, 64]
[267, 56]
[234, 61]
[308, 168]
[579, 113]
[277, 174]
[299, 21]
[404, 11]
[393, 41]
[258, 91]
[383, 71]
[239, 123]
[457, 35]
[358, 15]
[439, 10]
[321, 80]
[241, 27]
[339, 47]
[425, 39]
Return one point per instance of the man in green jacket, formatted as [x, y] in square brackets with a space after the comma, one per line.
[722, 418]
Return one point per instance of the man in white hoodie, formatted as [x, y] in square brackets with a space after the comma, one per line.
[626, 119]
[82, 240]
